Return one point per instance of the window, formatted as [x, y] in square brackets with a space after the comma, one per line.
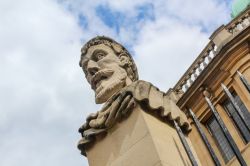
[243, 108]
[238, 122]
[220, 139]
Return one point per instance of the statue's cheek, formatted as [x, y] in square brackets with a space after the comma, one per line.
[109, 62]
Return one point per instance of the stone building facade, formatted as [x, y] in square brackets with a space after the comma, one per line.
[215, 95]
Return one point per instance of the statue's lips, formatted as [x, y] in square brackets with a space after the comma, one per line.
[99, 76]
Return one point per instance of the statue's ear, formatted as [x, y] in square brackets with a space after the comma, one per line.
[125, 61]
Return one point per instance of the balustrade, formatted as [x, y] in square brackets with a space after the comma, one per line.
[209, 52]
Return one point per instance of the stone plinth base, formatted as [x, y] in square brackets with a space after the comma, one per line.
[140, 140]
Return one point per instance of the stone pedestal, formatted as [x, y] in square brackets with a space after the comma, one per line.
[139, 140]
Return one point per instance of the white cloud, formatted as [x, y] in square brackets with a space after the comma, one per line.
[42, 88]
[208, 13]
[44, 96]
[170, 43]
[167, 48]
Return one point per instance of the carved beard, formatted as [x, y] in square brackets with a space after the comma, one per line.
[110, 86]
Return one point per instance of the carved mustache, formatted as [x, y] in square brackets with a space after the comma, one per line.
[100, 75]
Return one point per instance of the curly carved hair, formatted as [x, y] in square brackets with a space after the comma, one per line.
[118, 49]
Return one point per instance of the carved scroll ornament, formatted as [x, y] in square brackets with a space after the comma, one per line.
[120, 105]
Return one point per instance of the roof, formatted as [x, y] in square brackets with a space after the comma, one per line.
[239, 6]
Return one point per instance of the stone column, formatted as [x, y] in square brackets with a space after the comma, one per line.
[140, 140]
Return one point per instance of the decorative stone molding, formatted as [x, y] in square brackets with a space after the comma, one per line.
[120, 106]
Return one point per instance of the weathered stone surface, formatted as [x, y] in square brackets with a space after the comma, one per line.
[140, 140]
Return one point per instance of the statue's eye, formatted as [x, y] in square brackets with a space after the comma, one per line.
[99, 54]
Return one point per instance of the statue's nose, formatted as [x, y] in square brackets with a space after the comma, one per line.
[92, 67]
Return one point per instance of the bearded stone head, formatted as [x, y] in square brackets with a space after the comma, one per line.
[108, 67]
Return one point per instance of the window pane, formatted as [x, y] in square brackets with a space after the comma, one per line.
[242, 128]
[224, 147]
[243, 108]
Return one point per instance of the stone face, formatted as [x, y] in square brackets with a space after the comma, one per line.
[112, 137]
[104, 71]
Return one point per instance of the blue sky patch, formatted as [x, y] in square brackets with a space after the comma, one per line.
[116, 19]
[82, 21]
[145, 12]
[111, 18]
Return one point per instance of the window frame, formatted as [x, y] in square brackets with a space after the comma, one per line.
[232, 117]
[219, 146]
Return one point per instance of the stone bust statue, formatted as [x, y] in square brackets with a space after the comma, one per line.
[112, 74]
[108, 67]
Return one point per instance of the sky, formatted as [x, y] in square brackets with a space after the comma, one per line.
[44, 96]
